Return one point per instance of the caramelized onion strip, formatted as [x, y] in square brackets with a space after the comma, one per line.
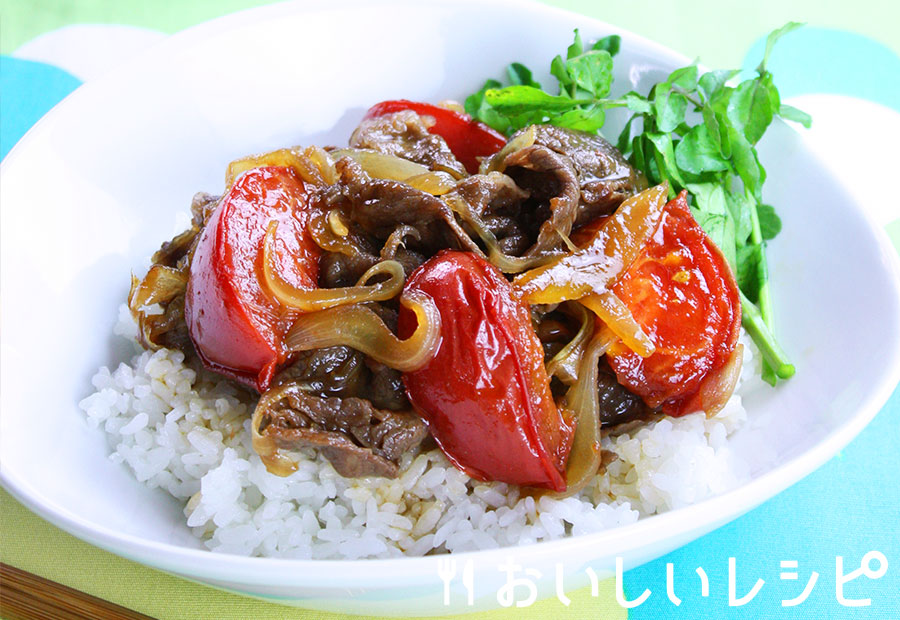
[434, 183]
[336, 224]
[502, 261]
[565, 364]
[266, 446]
[398, 239]
[323, 298]
[311, 164]
[161, 285]
[616, 315]
[597, 265]
[390, 167]
[323, 162]
[583, 398]
[497, 161]
[359, 327]
[382, 166]
[322, 230]
[718, 386]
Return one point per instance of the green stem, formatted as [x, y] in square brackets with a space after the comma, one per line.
[611, 103]
[661, 165]
[772, 353]
[687, 95]
[764, 297]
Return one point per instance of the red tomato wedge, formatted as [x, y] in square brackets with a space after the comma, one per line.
[236, 326]
[681, 291]
[485, 394]
[467, 139]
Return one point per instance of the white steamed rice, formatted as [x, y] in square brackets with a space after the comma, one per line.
[190, 435]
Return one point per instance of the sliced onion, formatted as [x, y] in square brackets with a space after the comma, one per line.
[336, 224]
[312, 164]
[322, 231]
[266, 447]
[583, 398]
[502, 261]
[398, 238]
[382, 166]
[497, 162]
[597, 265]
[322, 298]
[718, 386]
[359, 327]
[453, 105]
[434, 183]
[323, 162]
[617, 316]
[566, 240]
[161, 285]
[565, 364]
[150, 299]
[456, 174]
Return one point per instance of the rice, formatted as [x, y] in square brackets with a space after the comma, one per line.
[189, 434]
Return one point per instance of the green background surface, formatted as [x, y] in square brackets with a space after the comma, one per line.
[718, 31]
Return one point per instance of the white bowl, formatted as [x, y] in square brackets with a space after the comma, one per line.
[89, 193]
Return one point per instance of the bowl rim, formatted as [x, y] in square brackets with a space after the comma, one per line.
[274, 572]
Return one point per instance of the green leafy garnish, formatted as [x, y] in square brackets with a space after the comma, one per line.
[584, 77]
[695, 131]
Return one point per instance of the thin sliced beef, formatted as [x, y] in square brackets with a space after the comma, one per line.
[496, 200]
[378, 207]
[176, 253]
[331, 371]
[405, 134]
[385, 388]
[618, 406]
[347, 458]
[605, 178]
[356, 437]
[531, 208]
[555, 331]
[337, 269]
[549, 213]
[344, 372]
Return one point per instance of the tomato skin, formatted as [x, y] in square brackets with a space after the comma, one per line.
[236, 326]
[681, 291]
[485, 395]
[467, 139]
